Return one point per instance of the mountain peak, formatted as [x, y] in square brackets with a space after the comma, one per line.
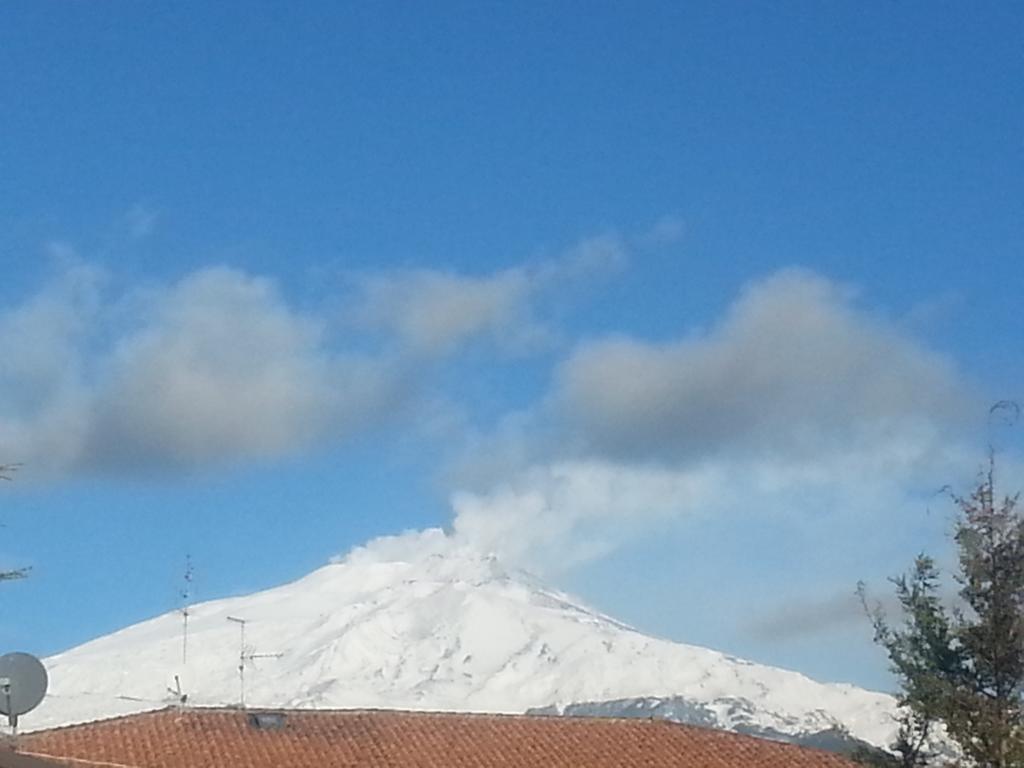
[431, 552]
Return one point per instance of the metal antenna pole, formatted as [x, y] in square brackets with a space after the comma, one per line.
[241, 659]
[186, 598]
[246, 655]
[12, 717]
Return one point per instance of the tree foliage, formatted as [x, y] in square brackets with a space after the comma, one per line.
[963, 666]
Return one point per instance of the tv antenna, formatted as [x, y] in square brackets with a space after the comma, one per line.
[179, 697]
[23, 682]
[186, 601]
[246, 654]
[175, 695]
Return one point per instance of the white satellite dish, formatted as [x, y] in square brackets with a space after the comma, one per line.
[23, 682]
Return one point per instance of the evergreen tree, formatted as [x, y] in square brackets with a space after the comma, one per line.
[963, 667]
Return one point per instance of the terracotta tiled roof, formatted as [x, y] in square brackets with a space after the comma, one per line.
[218, 738]
[11, 759]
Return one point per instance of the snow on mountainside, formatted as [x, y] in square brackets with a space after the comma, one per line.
[419, 622]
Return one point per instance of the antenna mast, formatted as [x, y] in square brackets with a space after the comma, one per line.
[246, 654]
[186, 599]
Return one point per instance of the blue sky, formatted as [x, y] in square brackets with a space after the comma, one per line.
[692, 307]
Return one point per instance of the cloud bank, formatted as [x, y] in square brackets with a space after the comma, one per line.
[796, 397]
[218, 368]
[215, 368]
[221, 367]
[793, 367]
[797, 400]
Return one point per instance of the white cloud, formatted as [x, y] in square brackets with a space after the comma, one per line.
[40, 340]
[590, 258]
[794, 366]
[43, 407]
[216, 368]
[222, 367]
[558, 515]
[796, 398]
[219, 368]
[797, 402]
[433, 312]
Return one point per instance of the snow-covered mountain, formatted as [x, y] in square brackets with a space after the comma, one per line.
[420, 622]
[743, 718]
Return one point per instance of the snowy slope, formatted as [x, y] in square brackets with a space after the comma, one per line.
[418, 622]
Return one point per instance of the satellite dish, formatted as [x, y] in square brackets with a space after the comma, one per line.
[23, 681]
